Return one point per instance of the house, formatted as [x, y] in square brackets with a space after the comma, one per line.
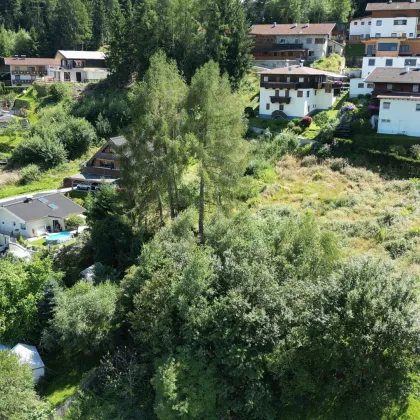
[359, 29]
[397, 93]
[35, 215]
[28, 355]
[5, 119]
[25, 71]
[393, 40]
[295, 91]
[274, 44]
[103, 166]
[80, 66]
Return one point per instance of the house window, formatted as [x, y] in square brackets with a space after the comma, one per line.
[319, 40]
[371, 62]
[400, 22]
[23, 226]
[377, 35]
[417, 107]
[361, 85]
[296, 41]
[385, 121]
[386, 105]
[405, 48]
[355, 23]
[393, 35]
[282, 41]
[265, 78]
[411, 35]
[388, 62]
[362, 23]
[379, 23]
[309, 40]
[314, 92]
[17, 77]
[267, 106]
[301, 79]
[389, 86]
[369, 23]
[290, 53]
[300, 94]
[361, 36]
[410, 62]
[371, 85]
[388, 46]
[281, 107]
[415, 88]
[308, 93]
[309, 108]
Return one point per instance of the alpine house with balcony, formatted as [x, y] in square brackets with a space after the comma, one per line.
[397, 93]
[81, 66]
[275, 44]
[391, 41]
[25, 71]
[293, 92]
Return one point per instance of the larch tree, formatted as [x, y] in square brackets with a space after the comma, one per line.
[156, 144]
[217, 124]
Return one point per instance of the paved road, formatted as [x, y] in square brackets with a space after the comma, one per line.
[61, 190]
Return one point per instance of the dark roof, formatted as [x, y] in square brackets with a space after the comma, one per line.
[118, 141]
[31, 208]
[393, 6]
[18, 61]
[290, 29]
[301, 71]
[394, 75]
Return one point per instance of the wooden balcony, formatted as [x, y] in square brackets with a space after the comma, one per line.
[280, 99]
[30, 73]
[293, 85]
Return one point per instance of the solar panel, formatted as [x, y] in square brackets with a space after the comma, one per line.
[52, 206]
[43, 200]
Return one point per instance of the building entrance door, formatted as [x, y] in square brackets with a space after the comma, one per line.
[78, 76]
[401, 127]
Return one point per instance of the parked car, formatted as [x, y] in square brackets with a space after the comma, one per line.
[95, 186]
[84, 186]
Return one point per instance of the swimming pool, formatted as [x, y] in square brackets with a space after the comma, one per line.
[58, 238]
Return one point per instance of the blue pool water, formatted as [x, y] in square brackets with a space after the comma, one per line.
[59, 237]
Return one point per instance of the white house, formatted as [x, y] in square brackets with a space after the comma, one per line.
[295, 91]
[359, 29]
[80, 66]
[35, 215]
[397, 91]
[28, 355]
[25, 71]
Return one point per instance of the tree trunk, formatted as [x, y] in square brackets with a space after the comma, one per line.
[201, 210]
[171, 199]
[160, 208]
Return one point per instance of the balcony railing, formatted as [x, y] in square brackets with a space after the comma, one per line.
[30, 72]
[293, 85]
[280, 99]
[277, 47]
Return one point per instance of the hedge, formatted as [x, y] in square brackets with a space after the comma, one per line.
[21, 103]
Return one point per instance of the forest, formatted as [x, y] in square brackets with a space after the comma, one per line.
[236, 276]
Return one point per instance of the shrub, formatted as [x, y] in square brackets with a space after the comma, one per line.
[347, 107]
[317, 176]
[398, 149]
[29, 174]
[324, 151]
[291, 125]
[46, 153]
[74, 221]
[306, 121]
[337, 164]
[322, 119]
[305, 150]
[296, 121]
[297, 130]
[308, 161]
[415, 151]
[103, 126]
[60, 92]
[326, 134]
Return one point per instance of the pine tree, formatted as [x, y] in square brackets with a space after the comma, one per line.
[98, 23]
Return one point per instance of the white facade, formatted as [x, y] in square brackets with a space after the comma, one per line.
[399, 116]
[360, 87]
[370, 63]
[29, 355]
[317, 45]
[394, 27]
[80, 75]
[12, 225]
[311, 100]
[360, 27]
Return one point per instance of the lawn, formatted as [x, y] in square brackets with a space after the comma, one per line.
[63, 376]
[272, 125]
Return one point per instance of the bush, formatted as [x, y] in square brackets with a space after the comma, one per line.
[398, 149]
[103, 126]
[46, 153]
[348, 107]
[74, 221]
[308, 161]
[337, 164]
[324, 151]
[60, 92]
[29, 174]
[291, 125]
[21, 103]
[306, 121]
[326, 134]
[297, 130]
[415, 151]
[322, 119]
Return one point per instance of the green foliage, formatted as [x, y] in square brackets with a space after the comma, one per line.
[16, 43]
[29, 174]
[103, 126]
[322, 119]
[74, 221]
[21, 103]
[60, 92]
[333, 62]
[18, 399]
[21, 288]
[83, 319]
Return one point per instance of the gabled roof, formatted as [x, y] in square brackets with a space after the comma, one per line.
[28, 355]
[100, 154]
[393, 6]
[291, 29]
[39, 206]
[82, 55]
[301, 71]
[394, 75]
[118, 141]
[17, 61]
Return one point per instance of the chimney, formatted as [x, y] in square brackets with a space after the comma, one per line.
[390, 1]
[274, 24]
[294, 25]
[407, 69]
